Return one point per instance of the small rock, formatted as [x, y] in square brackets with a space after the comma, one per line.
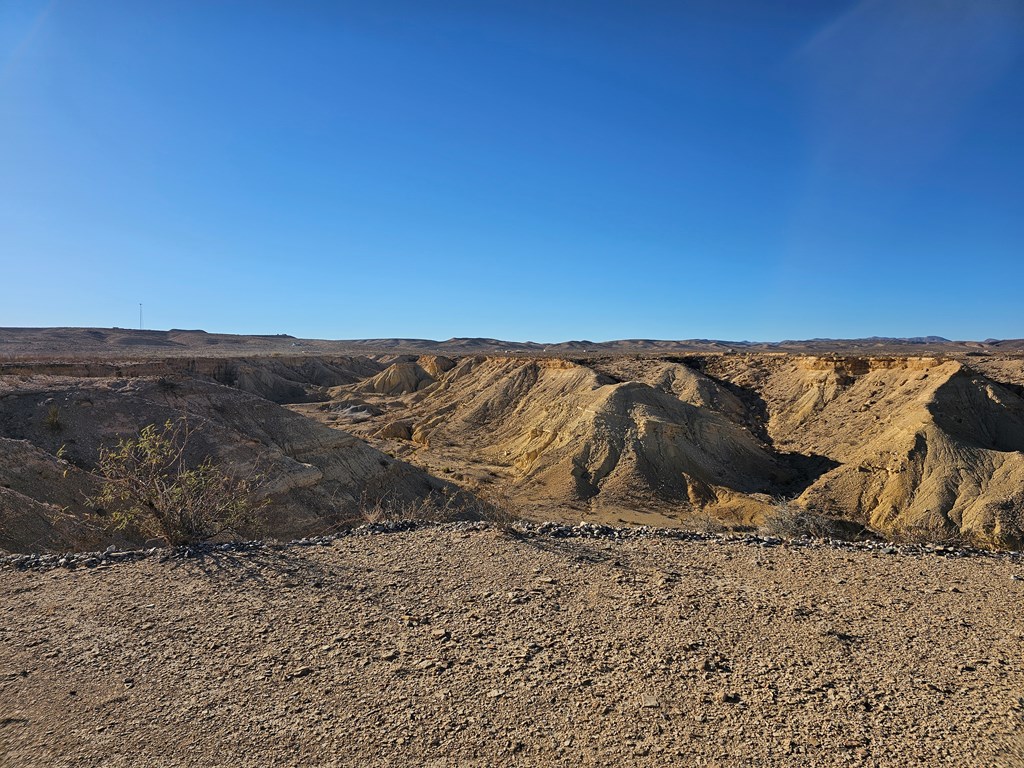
[495, 693]
[649, 702]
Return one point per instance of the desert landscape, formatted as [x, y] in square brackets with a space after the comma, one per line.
[479, 552]
[862, 436]
[418, 384]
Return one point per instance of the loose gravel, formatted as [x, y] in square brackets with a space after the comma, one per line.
[469, 645]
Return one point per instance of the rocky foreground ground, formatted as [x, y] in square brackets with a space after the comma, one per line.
[450, 646]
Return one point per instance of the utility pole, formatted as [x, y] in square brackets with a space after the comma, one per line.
[140, 315]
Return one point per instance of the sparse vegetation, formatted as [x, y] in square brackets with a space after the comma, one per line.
[926, 534]
[52, 420]
[702, 522]
[148, 487]
[442, 507]
[791, 522]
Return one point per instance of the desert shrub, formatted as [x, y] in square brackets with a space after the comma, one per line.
[52, 419]
[921, 533]
[702, 522]
[443, 507]
[790, 522]
[148, 487]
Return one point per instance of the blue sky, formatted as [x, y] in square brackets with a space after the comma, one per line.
[521, 170]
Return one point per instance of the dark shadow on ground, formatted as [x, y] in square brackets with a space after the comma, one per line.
[579, 550]
[265, 565]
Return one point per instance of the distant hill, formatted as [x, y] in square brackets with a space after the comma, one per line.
[124, 342]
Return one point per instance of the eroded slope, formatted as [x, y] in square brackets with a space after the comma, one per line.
[902, 445]
[909, 446]
[315, 477]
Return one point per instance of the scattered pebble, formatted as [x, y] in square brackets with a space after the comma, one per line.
[47, 561]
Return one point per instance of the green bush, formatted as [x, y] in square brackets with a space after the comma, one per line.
[148, 488]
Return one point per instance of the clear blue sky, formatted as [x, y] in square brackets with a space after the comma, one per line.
[525, 170]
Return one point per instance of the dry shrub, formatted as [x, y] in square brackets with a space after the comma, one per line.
[918, 533]
[702, 522]
[790, 522]
[442, 507]
[52, 420]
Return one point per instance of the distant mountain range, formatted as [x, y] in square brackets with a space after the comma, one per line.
[915, 344]
[108, 342]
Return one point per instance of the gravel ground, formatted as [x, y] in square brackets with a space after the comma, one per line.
[453, 647]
